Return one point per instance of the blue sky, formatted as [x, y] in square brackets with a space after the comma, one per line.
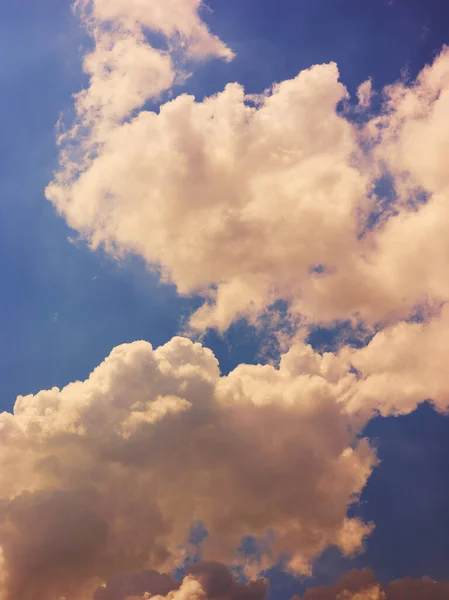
[64, 307]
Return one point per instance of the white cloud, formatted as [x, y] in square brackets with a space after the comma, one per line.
[222, 194]
[249, 204]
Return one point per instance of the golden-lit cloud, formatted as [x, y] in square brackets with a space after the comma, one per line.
[124, 68]
[220, 193]
[402, 366]
[115, 470]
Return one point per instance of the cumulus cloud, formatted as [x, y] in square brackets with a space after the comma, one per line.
[244, 200]
[249, 200]
[363, 585]
[123, 586]
[401, 264]
[116, 469]
[230, 200]
[127, 67]
[218, 581]
[110, 484]
[403, 365]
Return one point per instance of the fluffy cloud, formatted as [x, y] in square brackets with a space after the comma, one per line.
[217, 581]
[116, 469]
[127, 68]
[124, 72]
[362, 585]
[250, 200]
[245, 200]
[365, 93]
[400, 367]
[224, 195]
[172, 18]
[413, 132]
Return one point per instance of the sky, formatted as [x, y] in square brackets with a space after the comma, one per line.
[224, 321]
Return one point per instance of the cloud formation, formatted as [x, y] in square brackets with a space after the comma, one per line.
[248, 200]
[123, 586]
[204, 581]
[362, 585]
[125, 70]
[228, 199]
[402, 366]
[245, 201]
[115, 470]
